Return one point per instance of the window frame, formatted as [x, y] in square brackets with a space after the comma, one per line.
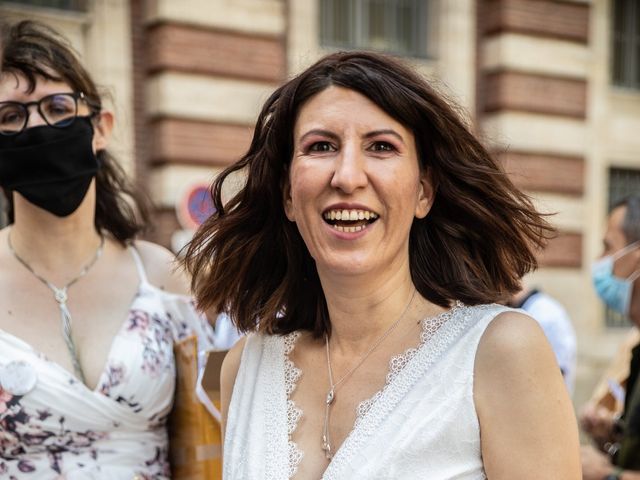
[358, 34]
[626, 72]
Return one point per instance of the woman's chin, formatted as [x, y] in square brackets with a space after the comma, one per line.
[345, 266]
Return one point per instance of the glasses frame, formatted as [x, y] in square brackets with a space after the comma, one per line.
[38, 103]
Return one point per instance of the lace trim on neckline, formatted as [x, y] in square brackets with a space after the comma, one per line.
[429, 326]
[291, 376]
[460, 318]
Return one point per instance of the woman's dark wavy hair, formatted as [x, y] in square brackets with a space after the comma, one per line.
[34, 50]
[475, 244]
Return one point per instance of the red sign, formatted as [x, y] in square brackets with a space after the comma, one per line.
[195, 206]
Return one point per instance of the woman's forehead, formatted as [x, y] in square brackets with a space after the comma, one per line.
[336, 105]
[15, 86]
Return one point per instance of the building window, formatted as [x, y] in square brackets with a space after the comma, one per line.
[622, 183]
[394, 26]
[69, 5]
[626, 43]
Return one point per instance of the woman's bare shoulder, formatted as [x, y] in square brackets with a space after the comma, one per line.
[522, 403]
[513, 360]
[231, 363]
[228, 374]
[163, 271]
[511, 333]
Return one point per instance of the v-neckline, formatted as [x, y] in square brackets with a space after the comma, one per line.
[409, 354]
[72, 376]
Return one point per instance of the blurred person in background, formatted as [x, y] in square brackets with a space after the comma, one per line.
[557, 327]
[617, 456]
[89, 315]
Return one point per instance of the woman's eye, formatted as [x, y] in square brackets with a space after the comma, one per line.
[382, 147]
[11, 114]
[321, 147]
[8, 117]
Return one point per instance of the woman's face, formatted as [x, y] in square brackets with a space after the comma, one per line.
[355, 185]
[15, 88]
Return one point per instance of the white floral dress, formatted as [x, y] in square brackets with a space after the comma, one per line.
[62, 429]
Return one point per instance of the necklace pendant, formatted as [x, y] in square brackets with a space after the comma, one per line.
[61, 295]
[326, 447]
[330, 397]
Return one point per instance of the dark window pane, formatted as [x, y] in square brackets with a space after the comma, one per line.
[341, 19]
[618, 61]
[71, 5]
[636, 73]
[404, 27]
[625, 45]
[396, 26]
[619, 14]
[377, 35]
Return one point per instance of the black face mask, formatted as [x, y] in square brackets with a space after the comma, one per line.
[51, 167]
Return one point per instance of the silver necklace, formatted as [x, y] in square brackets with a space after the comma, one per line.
[60, 295]
[333, 387]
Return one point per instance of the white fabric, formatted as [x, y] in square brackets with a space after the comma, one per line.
[226, 335]
[422, 424]
[116, 431]
[557, 327]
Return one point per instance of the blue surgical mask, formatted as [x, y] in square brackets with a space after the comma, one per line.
[615, 292]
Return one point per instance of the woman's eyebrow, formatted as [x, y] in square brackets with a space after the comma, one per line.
[320, 131]
[386, 131]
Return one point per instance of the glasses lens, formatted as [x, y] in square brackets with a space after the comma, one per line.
[13, 116]
[58, 110]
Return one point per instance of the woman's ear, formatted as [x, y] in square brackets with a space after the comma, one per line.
[287, 201]
[426, 194]
[102, 128]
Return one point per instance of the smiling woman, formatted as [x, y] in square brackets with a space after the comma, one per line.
[364, 254]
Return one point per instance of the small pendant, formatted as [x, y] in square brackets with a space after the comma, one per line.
[61, 295]
[330, 397]
[326, 447]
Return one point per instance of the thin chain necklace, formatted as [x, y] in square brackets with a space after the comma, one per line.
[60, 295]
[333, 387]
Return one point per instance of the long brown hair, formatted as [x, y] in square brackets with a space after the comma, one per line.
[34, 50]
[475, 244]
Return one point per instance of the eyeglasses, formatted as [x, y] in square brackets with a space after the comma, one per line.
[59, 110]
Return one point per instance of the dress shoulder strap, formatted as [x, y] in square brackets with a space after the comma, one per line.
[139, 265]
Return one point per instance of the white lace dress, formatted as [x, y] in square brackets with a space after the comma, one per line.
[421, 425]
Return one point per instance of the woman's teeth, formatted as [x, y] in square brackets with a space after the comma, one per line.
[350, 215]
[350, 221]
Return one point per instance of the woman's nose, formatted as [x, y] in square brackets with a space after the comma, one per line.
[34, 119]
[350, 172]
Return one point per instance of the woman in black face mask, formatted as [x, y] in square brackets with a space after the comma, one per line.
[87, 323]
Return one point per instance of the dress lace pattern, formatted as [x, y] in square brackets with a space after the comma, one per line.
[425, 405]
[291, 377]
[397, 364]
[430, 326]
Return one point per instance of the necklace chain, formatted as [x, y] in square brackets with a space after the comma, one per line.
[60, 295]
[331, 394]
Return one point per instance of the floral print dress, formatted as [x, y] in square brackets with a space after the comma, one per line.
[61, 429]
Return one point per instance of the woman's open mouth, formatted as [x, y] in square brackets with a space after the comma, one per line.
[349, 221]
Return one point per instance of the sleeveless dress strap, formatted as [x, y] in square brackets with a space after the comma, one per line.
[139, 265]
